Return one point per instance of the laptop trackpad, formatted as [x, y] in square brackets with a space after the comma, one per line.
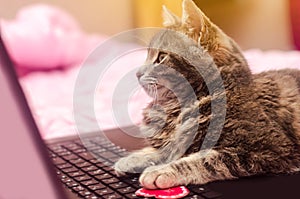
[283, 186]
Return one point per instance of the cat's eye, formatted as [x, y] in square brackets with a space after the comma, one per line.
[161, 57]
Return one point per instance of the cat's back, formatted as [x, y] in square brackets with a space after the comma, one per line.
[278, 93]
[283, 84]
[292, 74]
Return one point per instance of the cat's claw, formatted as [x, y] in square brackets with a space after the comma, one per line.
[161, 177]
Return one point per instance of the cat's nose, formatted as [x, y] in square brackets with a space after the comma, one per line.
[139, 74]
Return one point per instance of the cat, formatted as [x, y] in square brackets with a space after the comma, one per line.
[261, 130]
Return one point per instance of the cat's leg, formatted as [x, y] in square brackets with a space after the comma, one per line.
[137, 161]
[175, 148]
[197, 168]
[186, 130]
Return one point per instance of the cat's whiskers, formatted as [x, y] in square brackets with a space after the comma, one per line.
[155, 93]
[150, 85]
[152, 89]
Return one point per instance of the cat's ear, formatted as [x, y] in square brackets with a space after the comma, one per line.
[170, 20]
[199, 27]
[193, 19]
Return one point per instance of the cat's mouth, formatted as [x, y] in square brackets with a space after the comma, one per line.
[152, 87]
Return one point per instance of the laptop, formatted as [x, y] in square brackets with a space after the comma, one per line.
[32, 168]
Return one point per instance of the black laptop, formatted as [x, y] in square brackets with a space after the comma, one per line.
[32, 168]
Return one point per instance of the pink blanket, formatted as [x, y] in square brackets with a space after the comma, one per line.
[44, 38]
[51, 94]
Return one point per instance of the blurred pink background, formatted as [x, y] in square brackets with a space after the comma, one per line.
[48, 44]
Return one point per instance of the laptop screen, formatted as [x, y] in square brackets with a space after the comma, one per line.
[25, 169]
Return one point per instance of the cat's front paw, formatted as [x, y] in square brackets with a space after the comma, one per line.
[161, 176]
[131, 164]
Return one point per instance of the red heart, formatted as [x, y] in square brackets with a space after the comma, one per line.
[174, 192]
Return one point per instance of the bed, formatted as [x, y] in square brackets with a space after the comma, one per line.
[48, 75]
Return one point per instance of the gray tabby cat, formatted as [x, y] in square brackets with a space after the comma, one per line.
[261, 131]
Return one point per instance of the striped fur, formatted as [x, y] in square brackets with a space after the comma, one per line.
[261, 132]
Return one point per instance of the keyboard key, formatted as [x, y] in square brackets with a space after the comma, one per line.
[56, 148]
[89, 182]
[112, 196]
[100, 140]
[84, 193]
[90, 168]
[60, 151]
[103, 176]
[62, 176]
[72, 184]
[78, 188]
[108, 168]
[73, 146]
[96, 172]
[80, 150]
[195, 197]
[66, 179]
[95, 161]
[64, 166]
[92, 196]
[69, 170]
[114, 148]
[126, 190]
[104, 163]
[83, 164]
[86, 156]
[88, 143]
[132, 195]
[103, 160]
[97, 149]
[83, 178]
[110, 180]
[118, 185]
[70, 157]
[132, 180]
[58, 161]
[108, 145]
[108, 155]
[52, 155]
[64, 153]
[96, 186]
[75, 174]
[101, 164]
[77, 161]
[104, 191]
[69, 182]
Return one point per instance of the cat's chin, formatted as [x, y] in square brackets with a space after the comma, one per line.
[159, 90]
[161, 94]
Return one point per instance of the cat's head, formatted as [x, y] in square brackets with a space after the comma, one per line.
[174, 63]
[194, 37]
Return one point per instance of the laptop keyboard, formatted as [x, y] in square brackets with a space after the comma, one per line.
[89, 173]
